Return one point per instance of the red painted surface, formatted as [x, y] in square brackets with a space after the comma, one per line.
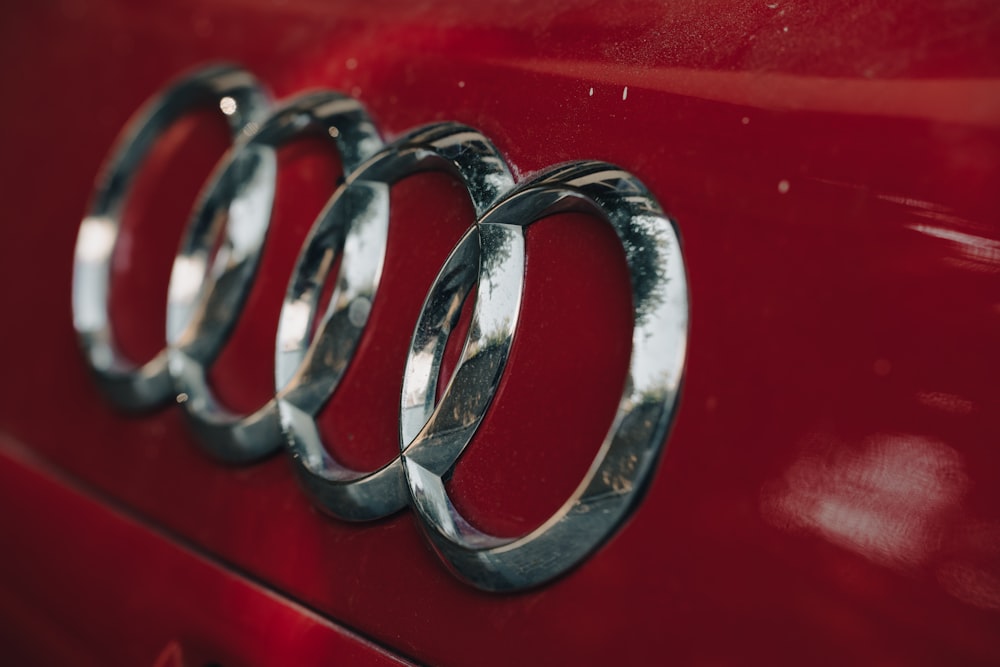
[830, 491]
[84, 584]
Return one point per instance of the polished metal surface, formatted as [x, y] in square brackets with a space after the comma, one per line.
[216, 265]
[207, 291]
[242, 101]
[433, 436]
[356, 224]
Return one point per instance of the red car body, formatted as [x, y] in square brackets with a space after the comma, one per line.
[830, 488]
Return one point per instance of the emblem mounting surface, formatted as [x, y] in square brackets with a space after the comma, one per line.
[207, 293]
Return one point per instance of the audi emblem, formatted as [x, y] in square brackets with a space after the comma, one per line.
[216, 265]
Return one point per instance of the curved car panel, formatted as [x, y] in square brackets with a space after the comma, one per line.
[829, 488]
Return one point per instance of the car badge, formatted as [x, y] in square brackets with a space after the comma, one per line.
[207, 292]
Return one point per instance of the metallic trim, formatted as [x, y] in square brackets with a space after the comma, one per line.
[244, 103]
[208, 291]
[356, 224]
[433, 436]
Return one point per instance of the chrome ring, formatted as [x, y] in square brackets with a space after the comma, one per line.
[207, 291]
[356, 223]
[622, 467]
[243, 102]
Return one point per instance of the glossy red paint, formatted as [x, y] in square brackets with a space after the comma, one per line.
[85, 584]
[829, 493]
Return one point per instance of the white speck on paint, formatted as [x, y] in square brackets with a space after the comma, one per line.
[785, 29]
[783, 186]
[461, 84]
[746, 120]
[625, 94]
[352, 63]
[591, 92]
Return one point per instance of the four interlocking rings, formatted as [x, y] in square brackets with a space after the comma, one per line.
[217, 262]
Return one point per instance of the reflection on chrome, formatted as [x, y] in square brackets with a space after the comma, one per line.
[186, 278]
[355, 222]
[228, 105]
[217, 263]
[435, 433]
[97, 239]
[129, 385]
[889, 501]
[235, 209]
